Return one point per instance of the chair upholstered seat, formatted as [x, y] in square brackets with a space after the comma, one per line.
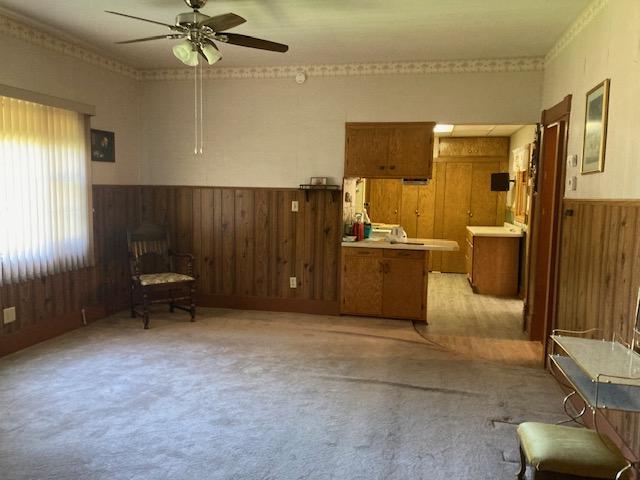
[165, 277]
[568, 450]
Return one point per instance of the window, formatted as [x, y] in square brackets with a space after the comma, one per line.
[44, 190]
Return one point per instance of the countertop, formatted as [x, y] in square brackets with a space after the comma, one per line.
[506, 230]
[431, 244]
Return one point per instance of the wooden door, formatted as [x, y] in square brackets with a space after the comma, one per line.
[457, 207]
[366, 150]
[404, 285]
[385, 198]
[426, 211]
[411, 150]
[484, 202]
[409, 210]
[362, 272]
[548, 200]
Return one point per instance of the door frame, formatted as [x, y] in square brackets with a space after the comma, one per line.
[540, 324]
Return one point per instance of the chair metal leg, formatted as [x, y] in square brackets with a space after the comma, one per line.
[523, 466]
[145, 309]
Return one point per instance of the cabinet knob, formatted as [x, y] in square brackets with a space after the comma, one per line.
[381, 167]
[392, 167]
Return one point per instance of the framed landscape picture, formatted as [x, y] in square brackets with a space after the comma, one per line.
[595, 128]
[103, 146]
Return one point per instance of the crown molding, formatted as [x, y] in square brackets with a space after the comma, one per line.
[584, 19]
[51, 39]
[57, 42]
[492, 65]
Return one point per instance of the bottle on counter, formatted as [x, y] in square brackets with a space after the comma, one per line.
[367, 224]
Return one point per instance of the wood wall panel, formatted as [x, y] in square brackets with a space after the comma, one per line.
[599, 278]
[247, 243]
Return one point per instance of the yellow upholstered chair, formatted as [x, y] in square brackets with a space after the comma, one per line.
[559, 452]
[155, 277]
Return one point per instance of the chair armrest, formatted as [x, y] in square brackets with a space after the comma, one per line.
[190, 258]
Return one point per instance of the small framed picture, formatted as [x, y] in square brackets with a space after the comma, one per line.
[318, 180]
[595, 128]
[103, 146]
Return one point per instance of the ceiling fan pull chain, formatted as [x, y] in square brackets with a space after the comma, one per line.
[195, 109]
[201, 113]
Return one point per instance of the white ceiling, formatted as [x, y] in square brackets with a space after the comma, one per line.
[323, 31]
[482, 131]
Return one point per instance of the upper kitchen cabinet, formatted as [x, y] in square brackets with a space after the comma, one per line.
[389, 150]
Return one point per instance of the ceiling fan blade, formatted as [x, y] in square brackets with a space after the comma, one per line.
[157, 37]
[172, 27]
[222, 22]
[252, 42]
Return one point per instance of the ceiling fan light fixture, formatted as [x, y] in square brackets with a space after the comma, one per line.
[185, 52]
[211, 53]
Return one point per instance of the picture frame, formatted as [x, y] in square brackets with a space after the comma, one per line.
[595, 128]
[103, 146]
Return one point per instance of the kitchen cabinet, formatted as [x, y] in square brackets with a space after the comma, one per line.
[362, 276]
[384, 197]
[389, 150]
[384, 282]
[492, 260]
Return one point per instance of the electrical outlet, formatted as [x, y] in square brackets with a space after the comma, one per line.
[9, 315]
[294, 205]
[572, 183]
[293, 282]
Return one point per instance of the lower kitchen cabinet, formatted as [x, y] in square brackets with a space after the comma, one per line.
[493, 264]
[384, 282]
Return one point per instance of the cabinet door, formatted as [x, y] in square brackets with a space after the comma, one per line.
[366, 150]
[411, 151]
[484, 202]
[362, 281]
[457, 207]
[404, 292]
[426, 210]
[385, 198]
[409, 210]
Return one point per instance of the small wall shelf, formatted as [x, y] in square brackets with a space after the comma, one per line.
[307, 187]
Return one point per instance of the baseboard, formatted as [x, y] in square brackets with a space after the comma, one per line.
[31, 334]
[317, 307]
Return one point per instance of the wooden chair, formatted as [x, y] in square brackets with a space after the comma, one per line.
[154, 277]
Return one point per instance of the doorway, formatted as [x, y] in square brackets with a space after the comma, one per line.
[540, 297]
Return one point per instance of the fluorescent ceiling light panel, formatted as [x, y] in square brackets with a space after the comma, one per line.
[443, 128]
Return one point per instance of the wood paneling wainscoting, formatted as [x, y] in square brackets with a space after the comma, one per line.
[599, 278]
[247, 242]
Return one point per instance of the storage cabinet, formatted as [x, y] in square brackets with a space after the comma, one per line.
[384, 282]
[492, 264]
[389, 150]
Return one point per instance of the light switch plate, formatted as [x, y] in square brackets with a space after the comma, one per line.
[293, 282]
[9, 315]
[294, 205]
[573, 160]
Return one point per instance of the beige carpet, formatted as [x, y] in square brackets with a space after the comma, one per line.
[259, 395]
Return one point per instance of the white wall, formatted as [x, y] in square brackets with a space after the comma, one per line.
[28, 66]
[275, 133]
[608, 47]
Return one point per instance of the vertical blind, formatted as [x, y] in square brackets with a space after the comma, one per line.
[44, 217]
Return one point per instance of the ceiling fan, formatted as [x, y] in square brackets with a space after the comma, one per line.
[199, 32]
